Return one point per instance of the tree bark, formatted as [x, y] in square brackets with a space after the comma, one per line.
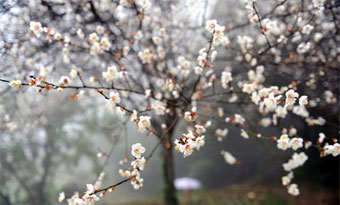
[169, 191]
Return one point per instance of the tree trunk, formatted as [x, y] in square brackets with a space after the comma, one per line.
[170, 196]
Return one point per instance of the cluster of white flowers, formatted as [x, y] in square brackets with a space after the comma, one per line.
[319, 121]
[191, 116]
[212, 27]
[318, 3]
[268, 99]
[218, 39]
[88, 198]
[293, 189]
[287, 179]
[251, 12]
[282, 39]
[159, 107]
[303, 47]
[291, 97]
[270, 26]
[99, 180]
[36, 28]
[190, 141]
[146, 56]
[138, 35]
[226, 78]
[146, 5]
[11, 126]
[285, 142]
[96, 45]
[245, 42]
[201, 61]
[137, 165]
[236, 119]
[64, 80]
[221, 134]
[111, 103]
[183, 68]
[143, 123]
[105, 43]
[111, 73]
[329, 97]
[256, 76]
[297, 160]
[332, 149]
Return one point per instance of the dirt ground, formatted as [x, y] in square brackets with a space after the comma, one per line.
[257, 194]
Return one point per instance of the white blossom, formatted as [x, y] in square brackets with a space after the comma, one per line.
[144, 123]
[296, 143]
[293, 190]
[229, 158]
[137, 150]
[15, 83]
[283, 142]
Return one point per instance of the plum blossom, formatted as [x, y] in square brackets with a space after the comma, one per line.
[146, 56]
[15, 83]
[61, 197]
[64, 80]
[248, 88]
[143, 123]
[244, 134]
[200, 129]
[159, 107]
[293, 190]
[245, 42]
[221, 133]
[307, 29]
[111, 73]
[190, 116]
[94, 37]
[321, 138]
[287, 179]
[229, 158]
[199, 142]
[225, 79]
[124, 173]
[189, 142]
[281, 112]
[211, 25]
[283, 143]
[303, 47]
[137, 151]
[297, 160]
[332, 149]
[137, 182]
[303, 100]
[36, 28]
[291, 96]
[296, 143]
[139, 163]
